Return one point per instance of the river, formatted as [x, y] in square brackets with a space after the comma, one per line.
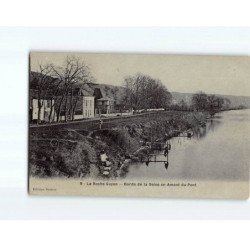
[218, 151]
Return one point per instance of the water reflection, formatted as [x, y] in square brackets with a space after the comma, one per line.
[201, 131]
[217, 150]
[197, 133]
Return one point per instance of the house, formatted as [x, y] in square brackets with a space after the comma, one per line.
[49, 104]
[85, 107]
[79, 104]
[103, 104]
[41, 103]
[43, 113]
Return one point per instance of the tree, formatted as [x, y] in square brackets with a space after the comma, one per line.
[74, 71]
[145, 92]
[227, 103]
[43, 83]
[210, 103]
[220, 102]
[200, 101]
[183, 105]
[133, 91]
[53, 99]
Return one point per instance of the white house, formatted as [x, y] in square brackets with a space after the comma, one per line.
[88, 106]
[45, 110]
[55, 105]
[85, 107]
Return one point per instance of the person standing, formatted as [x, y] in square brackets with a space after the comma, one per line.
[100, 123]
[166, 151]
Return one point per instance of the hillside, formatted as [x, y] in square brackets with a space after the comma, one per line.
[113, 92]
[235, 100]
[116, 93]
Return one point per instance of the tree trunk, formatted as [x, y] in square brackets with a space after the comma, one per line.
[74, 108]
[60, 104]
[65, 108]
[59, 109]
[52, 107]
[71, 113]
[39, 111]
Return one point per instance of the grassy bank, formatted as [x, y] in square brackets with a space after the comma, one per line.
[76, 153]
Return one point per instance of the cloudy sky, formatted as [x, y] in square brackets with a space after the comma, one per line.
[228, 75]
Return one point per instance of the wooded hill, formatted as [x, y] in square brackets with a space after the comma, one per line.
[236, 101]
[117, 92]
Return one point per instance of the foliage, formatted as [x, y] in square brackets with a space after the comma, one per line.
[211, 103]
[145, 92]
[62, 82]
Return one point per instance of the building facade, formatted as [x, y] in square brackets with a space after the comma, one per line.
[46, 110]
[88, 108]
[80, 103]
[56, 105]
[103, 104]
[84, 103]
[40, 109]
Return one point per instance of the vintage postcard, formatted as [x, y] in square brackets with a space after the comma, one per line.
[139, 125]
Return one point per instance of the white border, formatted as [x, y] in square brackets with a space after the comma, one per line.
[15, 44]
[125, 235]
[124, 12]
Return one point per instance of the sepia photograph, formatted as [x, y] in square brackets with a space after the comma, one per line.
[125, 119]
[144, 125]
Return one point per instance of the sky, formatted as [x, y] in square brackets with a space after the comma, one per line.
[228, 75]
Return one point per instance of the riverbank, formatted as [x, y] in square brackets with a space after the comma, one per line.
[76, 153]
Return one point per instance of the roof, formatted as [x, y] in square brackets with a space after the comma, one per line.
[84, 92]
[33, 93]
[100, 95]
[85, 89]
[34, 78]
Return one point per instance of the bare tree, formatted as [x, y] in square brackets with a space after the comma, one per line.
[144, 92]
[74, 71]
[43, 81]
[134, 90]
[53, 99]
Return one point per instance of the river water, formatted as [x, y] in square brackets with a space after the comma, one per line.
[218, 151]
